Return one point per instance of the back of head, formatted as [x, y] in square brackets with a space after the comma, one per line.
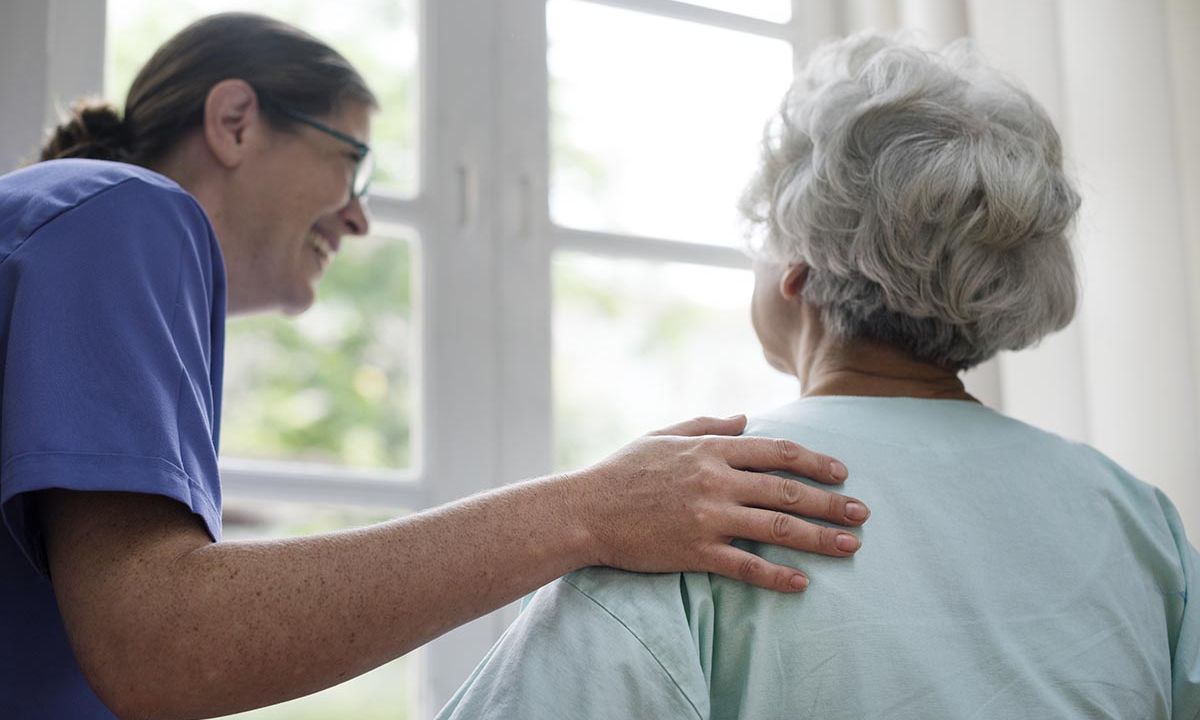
[286, 66]
[927, 194]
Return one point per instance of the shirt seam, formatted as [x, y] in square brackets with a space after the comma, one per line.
[179, 383]
[641, 642]
[203, 493]
[761, 431]
[192, 483]
[39, 453]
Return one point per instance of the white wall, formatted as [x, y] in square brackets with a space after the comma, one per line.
[44, 45]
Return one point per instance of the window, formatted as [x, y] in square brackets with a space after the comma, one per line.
[336, 386]
[657, 139]
[333, 386]
[650, 143]
[554, 267]
[774, 10]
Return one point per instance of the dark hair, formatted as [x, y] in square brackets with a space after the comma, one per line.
[286, 66]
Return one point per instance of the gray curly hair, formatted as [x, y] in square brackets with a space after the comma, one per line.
[927, 195]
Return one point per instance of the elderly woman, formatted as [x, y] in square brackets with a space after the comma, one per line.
[913, 210]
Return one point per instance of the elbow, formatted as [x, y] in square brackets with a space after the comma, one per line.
[122, 687]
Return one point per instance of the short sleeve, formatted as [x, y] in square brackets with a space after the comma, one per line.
[111, 364]
[567, 657]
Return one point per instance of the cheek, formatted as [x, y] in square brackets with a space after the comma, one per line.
[756, 314]
[325, 192]
[331, 184]
[771, 316]
[338, 189]
[761, 309]
[761, 319]
[319, 186]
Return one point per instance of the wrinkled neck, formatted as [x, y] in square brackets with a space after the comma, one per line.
[831, 366]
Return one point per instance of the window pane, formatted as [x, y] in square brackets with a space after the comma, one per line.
[655, 122]
[386, 693]
[335, 384]
[774, 10]
[378, 36]
[640, 345]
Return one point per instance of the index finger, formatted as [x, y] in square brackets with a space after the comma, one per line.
[706, 426]
[766, 454]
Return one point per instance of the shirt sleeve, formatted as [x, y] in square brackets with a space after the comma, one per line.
[567, 657]
[109, 366]
[1184, 613]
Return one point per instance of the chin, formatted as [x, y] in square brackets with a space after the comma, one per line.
[300, 302]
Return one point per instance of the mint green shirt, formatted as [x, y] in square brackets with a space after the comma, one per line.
[1005, 573]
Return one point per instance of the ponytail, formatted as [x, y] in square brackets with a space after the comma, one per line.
[93, 130]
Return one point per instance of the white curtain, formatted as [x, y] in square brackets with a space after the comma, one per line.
[1119, 79]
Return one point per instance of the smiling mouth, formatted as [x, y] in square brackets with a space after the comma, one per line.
[321, 245]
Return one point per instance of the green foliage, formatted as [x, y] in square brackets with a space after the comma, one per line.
[335, 384]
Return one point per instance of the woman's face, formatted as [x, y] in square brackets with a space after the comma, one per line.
[296, 211]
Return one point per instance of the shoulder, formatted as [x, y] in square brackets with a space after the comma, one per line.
[1142, 502]
[1123, 483]
[574, 648]
[111, 194]
[69, 183]
[64, 218]
[666, 613]
[73, 181]
[653, 606]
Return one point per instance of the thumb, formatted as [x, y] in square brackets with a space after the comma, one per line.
[733, 425]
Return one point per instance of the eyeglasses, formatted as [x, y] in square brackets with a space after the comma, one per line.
[364, 164]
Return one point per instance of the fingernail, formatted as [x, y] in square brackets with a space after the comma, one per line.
[799, 582]
[846, 543]
[838, 470]
[856, 511]
[739, 416]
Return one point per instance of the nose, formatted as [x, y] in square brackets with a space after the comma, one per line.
[354, 217]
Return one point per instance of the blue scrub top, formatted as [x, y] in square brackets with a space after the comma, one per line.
[112, 330]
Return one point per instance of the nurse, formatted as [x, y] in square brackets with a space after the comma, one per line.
[227, 186]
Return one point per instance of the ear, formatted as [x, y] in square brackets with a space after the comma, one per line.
[230, 110]
[791, 283]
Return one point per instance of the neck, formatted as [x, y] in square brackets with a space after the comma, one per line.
[186, 165]
[829, 366]
[189, 165]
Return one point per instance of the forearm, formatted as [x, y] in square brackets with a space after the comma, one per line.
[165, 623]
[235, 625]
